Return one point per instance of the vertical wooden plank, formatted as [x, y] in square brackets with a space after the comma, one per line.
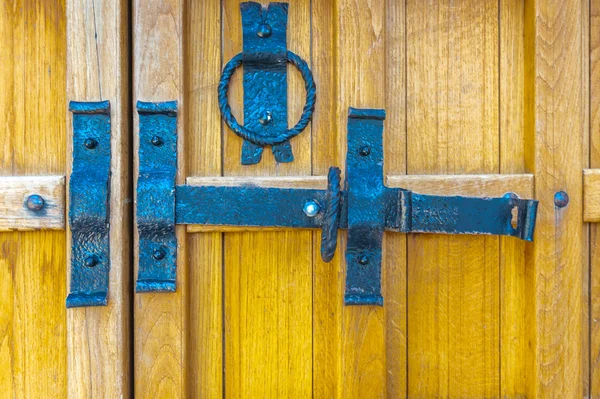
[203, 154]
[33, 336]
[328, 283]
[554, 114]
[452, 123]
[360, 63]
[594, 54]
[395, 250]
[515, 255]
[268, 279]
[98, 69]
[160, 324]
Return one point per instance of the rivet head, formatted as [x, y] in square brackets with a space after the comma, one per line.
[159, 254]
[365, 150]
[35, 203]
[90, 143]
[561, 199]
[157, 141]
[266, 118]
[264, 31]
[363, 259]
[90, 261]
[311, 208]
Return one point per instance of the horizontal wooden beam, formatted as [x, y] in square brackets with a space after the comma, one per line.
[591, 195]
[466, 185]
[14, 193]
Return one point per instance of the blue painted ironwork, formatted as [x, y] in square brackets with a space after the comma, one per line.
[265, 84]
[155, 210]
[89, 187]
[366, 207]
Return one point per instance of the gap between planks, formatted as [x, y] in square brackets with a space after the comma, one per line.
[14, 192]
[465, 185]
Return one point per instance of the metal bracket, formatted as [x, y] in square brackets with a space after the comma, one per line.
[89, 188]
[366, 207]
[265, 84]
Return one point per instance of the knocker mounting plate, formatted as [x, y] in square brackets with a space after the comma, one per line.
[264, 59]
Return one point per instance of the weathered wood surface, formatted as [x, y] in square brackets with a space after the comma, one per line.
[98, 69]
[14, 213]
[160, 320]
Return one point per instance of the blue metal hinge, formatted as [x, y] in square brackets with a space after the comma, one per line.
[89, 187]
[365, 206]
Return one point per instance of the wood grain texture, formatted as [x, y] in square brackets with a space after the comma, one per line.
[33, 333]
[554, 107]
[267, 275]
[515, 255]
[360, 55]
[14, 192]
[98, 69]
[591, 195]
[204, 157]
[395, 249]
[467, 185]
[160, 319]
[453, 128]
[589, 199]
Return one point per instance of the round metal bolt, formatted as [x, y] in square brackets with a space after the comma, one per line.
[159, 254]
[264, 31]
[266, 118]
[91, 261]
[363, 259]
[157, 141]
[90, 143]
[561, 199]
[511, 195]
[364, 151]
[311, 208]
[35, 203]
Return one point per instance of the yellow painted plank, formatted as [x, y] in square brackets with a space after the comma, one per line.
[268, 316]
[203, 152]
[33, 334]
[98, 69]
[591, 193]
[160, 319]
[453, 282]
[14, 193]
[394, 250]
[594, 54]
[554, 112]
[515, 255]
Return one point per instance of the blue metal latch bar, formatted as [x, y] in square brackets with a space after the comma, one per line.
[365, 206]
[89, 187]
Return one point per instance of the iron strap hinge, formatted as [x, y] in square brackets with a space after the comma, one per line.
[365, 206]
[89, 193]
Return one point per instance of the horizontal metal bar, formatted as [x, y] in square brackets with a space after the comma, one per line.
[247, 206]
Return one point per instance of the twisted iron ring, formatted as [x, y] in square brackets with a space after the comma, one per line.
[246, 134]
[332, 215]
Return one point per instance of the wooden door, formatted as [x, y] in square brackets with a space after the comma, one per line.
[482, 97]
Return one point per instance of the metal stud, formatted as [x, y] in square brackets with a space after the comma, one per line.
[159, 254]
[266, 118]
[91, 261]
[363, 259]
[561, 199]
[90, 143]
[311, 209]
[264, 31]
[365, 150]
[35, 203]
[157, 141]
